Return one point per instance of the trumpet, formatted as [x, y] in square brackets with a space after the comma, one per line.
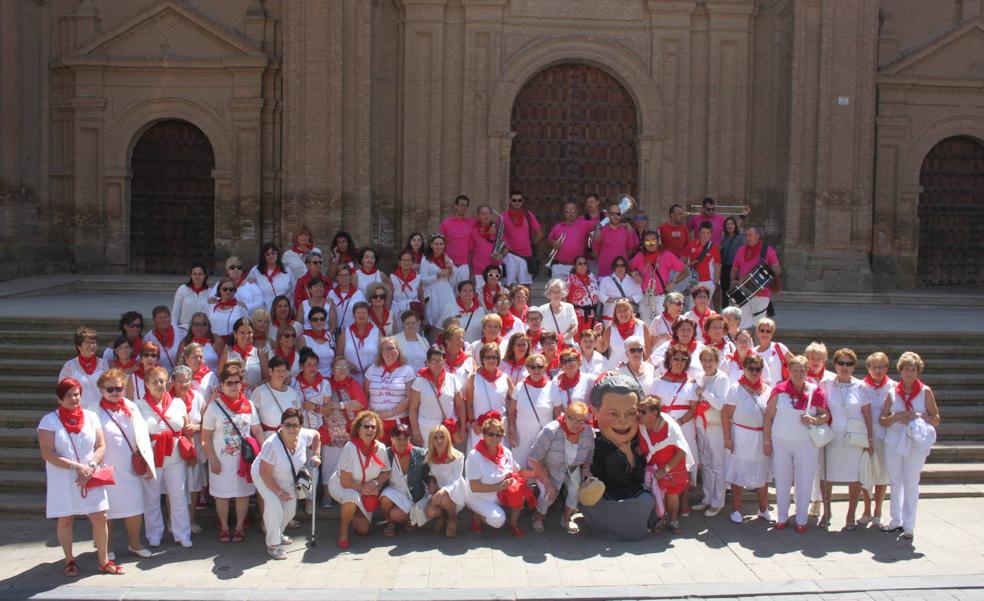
[625, 204]
[733, 210]
[553, 253]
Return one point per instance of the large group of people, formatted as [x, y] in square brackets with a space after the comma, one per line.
[408, 397]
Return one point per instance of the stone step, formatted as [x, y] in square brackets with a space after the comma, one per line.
[66, 336]
[28, 400]
[953, 473]
[950, 430]
[21, 418]
[22, 504]
[47, 368]
[20, 458]
[22, 480]
[957, 451]
[60, 324]
[897, 299]
[19, 438]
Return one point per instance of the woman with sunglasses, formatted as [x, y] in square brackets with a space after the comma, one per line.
[742, 419]
[489, 469]
[200, 333]
[488, 389]
[467, 309]
[617, 285]
[437, 276]
[319, 339]
[136, 386]
[284, 453]
[125, 433]
[348, 399]
[515, 356]
[775, 354]
[714, 335]
[295, 257]
[285, 347]
[491, 286]
[252, 360]
[367, 274]
[405, 283]
[458, 361]
[614, 240]
[435, 398]
[679, 399]
[167, 421]
[530, 409]
[315, 289]
[131, 326]
[510, 323]
[191, 297]
[583, 294]
[313, 393]
[282, 316]
[712, 390]
[570, 385]
[227, 311]
[247, 293]
[123, 358]
[449, 489]
[72, 446]
[227, 420]
[640, 370]
[86, 367]
[683, 335]
[413, 346]
[624, 325]
[379, 312]
[270, 275]
[404, 498]
[363, 470]
[734, 362]
[387, 386]
[850, 419]
[662, 324]
[313, 263]
[561, 458]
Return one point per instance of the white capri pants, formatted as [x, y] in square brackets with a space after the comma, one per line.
[753, 311]
[903, 473]
[171, 481]
[516, 271]
[710, 441]
[276, 512]
[571, 490]
[486, 505]
[794, 463]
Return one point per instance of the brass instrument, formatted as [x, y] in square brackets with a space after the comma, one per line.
[625, 204]
[553, 253]
[499, 246]
[732, 210]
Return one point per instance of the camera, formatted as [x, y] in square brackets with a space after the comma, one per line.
[303, 483]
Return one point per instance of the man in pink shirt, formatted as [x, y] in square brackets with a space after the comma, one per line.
[614, 240]
[747, 258]
[651, 269]
[716, 220]
[522, 232]
[575, 233]
[483, 237]
[673, 233]
[457, 231]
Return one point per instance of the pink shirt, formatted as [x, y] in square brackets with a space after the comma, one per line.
[457, 234]
[481, 248]
[576, 242]
[518, 237]
[612, 242]
[717, 225]
[665, 263]
[745, 267]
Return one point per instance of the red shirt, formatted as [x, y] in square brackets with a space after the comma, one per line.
[481, 248]
[517, 237]
[674, 238]
[717, 225]
[705, 271]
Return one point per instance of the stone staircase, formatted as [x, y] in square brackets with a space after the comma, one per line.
[32, 351]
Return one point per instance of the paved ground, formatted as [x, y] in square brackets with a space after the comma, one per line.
[714, 558]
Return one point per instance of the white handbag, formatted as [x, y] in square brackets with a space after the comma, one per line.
[820, 434]
[866, 472]
[857, 434]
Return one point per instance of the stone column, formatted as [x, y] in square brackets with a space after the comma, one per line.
[116, 191]
[89, 223]
[886, 263]
[238, 221]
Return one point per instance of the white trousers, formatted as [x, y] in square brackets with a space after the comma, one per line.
[903, 474]
[570, 494]
[560, 271]
[753, 311]
[516, 271]
[650, 307]
[794, 463]
[276, 512]
[171, 481]
[711, 445]
[461, 273]
[493, 513]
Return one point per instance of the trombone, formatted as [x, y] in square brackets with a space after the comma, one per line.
[732, 210]
[553, 253]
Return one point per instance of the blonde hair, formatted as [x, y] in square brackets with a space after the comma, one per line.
[453, 453]
[767, 321]
[846, 352]
[535, 357]
[491, 318]
[374, 287]
[816, 348]
[622, 303]
[910, 358]
[578, 408]
[798, 360]
[110, 374]
[156, 370]
[399, 353]
[713, 352]
[876, 357]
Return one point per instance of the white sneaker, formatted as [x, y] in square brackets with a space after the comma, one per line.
[145, 553]
[700, 506]
[712, 511]
[765, 515]
[736, 517]
[187, 544]
[815, 508]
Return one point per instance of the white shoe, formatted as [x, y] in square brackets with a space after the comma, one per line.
[815, 508]
[765, 515]
[145, 553]
[700, 506]
[736, 517]
[187, 544]
[712, 511]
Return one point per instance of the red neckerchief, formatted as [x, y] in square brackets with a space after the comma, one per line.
[301, 249]
[873, 384]
[483, 450]
[537, 384]
[187, 397]
[753, 252]
[124, 366]
[917, 387]
[718, 345]
[418, 255]
[139, 372]
[201, 373]
[438, 381]
[438, 458]
[349, 385]
[488, 295]
[555, 363]
[380, 323]
[490, 378]
[388, 369]
[203, 340]
[799, 396]
[272, 274]
[702, 318]
[165, 401]
[243, 352]
[197, 289]
[569, 383]
[739, 360]
[507, 321]
[355, 332]
[816, 376]
[520, 314]
[563, 425]
[288, 357]
[534, 339]
[117, 407]
[163, 440]
[485, 231]
[483, 342]
[625, 329]
[345, 296]
[398, 454]
[585, 279]
[261, 340]
[516, 364]
[672, 377]
[373, 272]
[457, 361]
[474, 306]
[691, 346]
[344, 257]
[756, 388]
[441, 261]
[517, 216]
[226, 304]
[651, 259]
[72, 420]
[318, 379]
[89, 365]
[166, 337]
[405, 278]
[236, 405]
[317, 336]
[365, 451]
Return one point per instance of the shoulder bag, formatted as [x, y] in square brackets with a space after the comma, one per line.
[532, 263]
[186, 448]
[451, 423]
[302, 477]
[249, 448]
[101, 476]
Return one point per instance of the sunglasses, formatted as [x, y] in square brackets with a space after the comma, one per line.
[490, 357]
[614, 214]
[754, 370]
[648, 410]
[679, 358]
[235, 267]
[368, 426]
[845, 363]
[494, 274]
[232, 382]
[637, 349]
[678, 303]
[135, 325]
[288, 336]
[316, 319]
[149, 355]
[519, 200]
[227, 289]
[538, 367]
[651, 242]
[113, 389]
[569, 360]
[199, 324]
[378, 297]
[493, 435]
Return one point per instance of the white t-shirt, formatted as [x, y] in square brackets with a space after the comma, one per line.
[429, 411]
[271, 405]
[477, 467]
[175, 414]
[579, 392]
[559, 322]
[274, 453]
[388, 390]
[415, 351]
[352, 461]
[318, 394]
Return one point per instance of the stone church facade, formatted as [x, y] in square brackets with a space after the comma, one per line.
[139, 135]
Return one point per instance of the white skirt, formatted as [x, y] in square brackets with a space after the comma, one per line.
[195, 479]
[228, 484]
[346, 495]
[402, 500]
[840, 463]
[126, 496]
[747, 466]
[879, 470]
[64, 496]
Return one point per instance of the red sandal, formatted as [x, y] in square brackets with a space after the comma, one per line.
[238, 536]
[71, 568]
[476, 524]
[223, 536]
[112, 568]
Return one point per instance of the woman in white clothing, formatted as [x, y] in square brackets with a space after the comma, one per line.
[701, 310]
[294, 256]
[405, 496]
[624, 325]
[437, 276]
[466, 309]
[459, 362]
[570, 385]
[261, 329]
[912, 404]
[320, 340]
[489, 469]
[558, 315]
[413, 346]
[166, 337]
[167, 420]
[446, 465]
[794, 406]
[191, 297]
[491, 330]
[435, 399]
[734, 362]
[252, 359]
[850, 419]
[742, 419]
[367, 273]
[678, 397]
[387, 386]
[131, 326]
[285, 347]
[379, 312]
[315, 399]
[405, 283]
[270, 276]
[248, 294]
[348, 399]
[136, 386]
[641, 371]
[86, 367]
[123, 355]
[342, 300]
[125, 432]
[515, 355]
[683, 334]
[615, 286]
[359, 342]
[316, 290]
[714, 336]
[876, 388]
[530, 409]
[363, 470]
[816, 367]
[272, 398]
[200, 333]
[202, 379]
[72, 446]
[227, 422]
[488, 389]
[182, 389]
[227, 311]
[775, 354]
[593, 363]
[283, 316]
[283, 456]
[712, 390]
[662, 325]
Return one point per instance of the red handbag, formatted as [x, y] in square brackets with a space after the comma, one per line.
[370, 502]
[518, 494]
[186, 448]
[102, 476]
[137, 461]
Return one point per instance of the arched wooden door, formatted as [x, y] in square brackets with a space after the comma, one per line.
[172, 199]
[575, 134]
[951, 214]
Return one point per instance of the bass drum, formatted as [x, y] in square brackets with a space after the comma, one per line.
[750, 285]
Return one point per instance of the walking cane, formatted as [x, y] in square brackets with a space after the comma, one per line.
[313, 495]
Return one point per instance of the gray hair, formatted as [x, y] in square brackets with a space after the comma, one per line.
[556, 282]
[675, 297]
[732, 311]
[634, 340]
[611, 382]
[311, 254]
[190, 348]
[183, 370]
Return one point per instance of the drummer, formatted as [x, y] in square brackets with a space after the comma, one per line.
[748, 258]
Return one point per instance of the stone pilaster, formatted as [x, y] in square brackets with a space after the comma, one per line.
[89, 217]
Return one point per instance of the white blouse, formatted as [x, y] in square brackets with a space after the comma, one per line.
[414, 351]
[271, 405]
[281, 284]
[187, 302]
[559, 322]
[490, 395]
[343, 306]
[90, 391]
[845, 401]
[223, 319]
[175, 417]
[608, 292]
[388, 389]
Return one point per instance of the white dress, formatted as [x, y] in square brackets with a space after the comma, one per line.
[875, 398]
[210, 356]
[488, 396]
[404, 294]
[126, 496]
[616, 344]
[747, 466]
[486, 504]
[450, 477]
[361, 469]
[187, 302]
[676, 401]
[534, 409]
[222, 319]
[594, 366]
[559, 322]
[251, 364]
[432, 411]
[773, 357]
[271, 404]
[361, 353]
[470, 321]
[279, 284]
[694, 370]
[840, 461]
[64, 497]
[324, 349]
[645, 379]
[226, 444]
[318, 393]
[734, 370]
[364, 280]
[90, 391]
[196, 473]
[343, 306]
[438, 292]
[559, 397]
[414, 351]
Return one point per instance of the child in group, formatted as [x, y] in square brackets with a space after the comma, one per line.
[668, 461]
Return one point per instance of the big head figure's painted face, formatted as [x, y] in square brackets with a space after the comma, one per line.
[618, 417]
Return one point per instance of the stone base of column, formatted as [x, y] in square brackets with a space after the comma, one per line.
[826, 271]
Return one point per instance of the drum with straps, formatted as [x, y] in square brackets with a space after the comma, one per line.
[750, 285]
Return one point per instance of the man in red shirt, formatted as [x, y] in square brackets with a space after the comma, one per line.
[457, 231]
[575, 233]
[707, 263]
[673, 233]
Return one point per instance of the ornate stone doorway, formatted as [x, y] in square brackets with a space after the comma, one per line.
[576, 129]
[951, 214]
[172, 199]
